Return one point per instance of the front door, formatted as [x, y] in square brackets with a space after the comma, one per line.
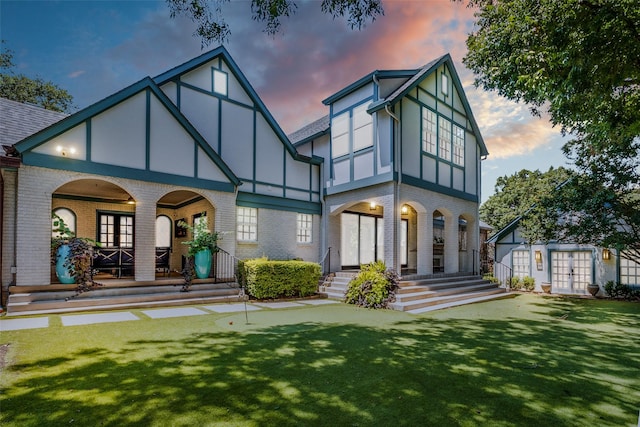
[571, 271]
[362, 239]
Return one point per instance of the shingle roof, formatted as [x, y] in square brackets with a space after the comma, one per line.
[316, 128]
[18, 120]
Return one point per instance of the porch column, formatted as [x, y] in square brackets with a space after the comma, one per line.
[392, 224]
[451, 259]
[145, 240]
[473, 246]
[425, 243]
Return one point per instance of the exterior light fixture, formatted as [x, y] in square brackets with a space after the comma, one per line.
[130, 201]
[65, 151]
[404, 209]
[372, 206]
[606, 254]
[538, 257]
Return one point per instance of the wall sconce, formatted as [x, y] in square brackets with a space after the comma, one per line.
[372, 206]
[538, 256]
[65, 151]
[606, 254]
[130, 201]
[404, 209]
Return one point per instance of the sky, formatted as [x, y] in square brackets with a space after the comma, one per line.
[95, 48]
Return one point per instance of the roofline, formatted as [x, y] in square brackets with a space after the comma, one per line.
[312, 137]
[382, 74]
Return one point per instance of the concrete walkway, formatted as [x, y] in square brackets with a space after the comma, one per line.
[158, 313]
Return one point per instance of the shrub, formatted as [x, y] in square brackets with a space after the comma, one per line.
[373, 287]
[529, 283]
[619, 290]
[493, 279]
[516, 283]
[266, 279]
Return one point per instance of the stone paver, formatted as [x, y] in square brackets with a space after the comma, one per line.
[18, 324]
[89, 319]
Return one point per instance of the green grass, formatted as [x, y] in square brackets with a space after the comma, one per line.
[526, 361]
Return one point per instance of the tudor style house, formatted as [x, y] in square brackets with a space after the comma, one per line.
[392, 173]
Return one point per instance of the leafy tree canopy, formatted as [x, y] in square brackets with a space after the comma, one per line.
[516, 194]
[18, 87]
[211, 25]
[580, 61]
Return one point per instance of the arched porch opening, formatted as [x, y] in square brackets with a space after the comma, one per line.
[104, 212]
[468, 248]
[180, 205]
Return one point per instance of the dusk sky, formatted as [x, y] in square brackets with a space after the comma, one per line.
[95, 48]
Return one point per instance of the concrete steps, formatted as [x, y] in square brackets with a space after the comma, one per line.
[418, 294]
[116, 295]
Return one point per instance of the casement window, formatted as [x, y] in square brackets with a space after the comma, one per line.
[520, 263]
[220, 82]
[629, 272]
[304, 228]
[247, 223]
[340, 135]
[362, 128]
[429, 131]
[458, 145]
[445, 138]
[67, 216]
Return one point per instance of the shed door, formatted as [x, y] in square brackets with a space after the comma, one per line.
[571, 271]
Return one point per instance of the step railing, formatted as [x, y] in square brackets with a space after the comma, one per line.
[325, 263]
[502, 272]
[225, 267]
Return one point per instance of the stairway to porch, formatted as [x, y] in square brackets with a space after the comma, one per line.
[116, 295]
[419, 294]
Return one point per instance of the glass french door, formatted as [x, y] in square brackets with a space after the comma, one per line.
[362, 239]
[571, 271]
[115, 230]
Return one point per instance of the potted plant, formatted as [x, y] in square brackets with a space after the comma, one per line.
[203, 244]
[71, 256]
[593, 288]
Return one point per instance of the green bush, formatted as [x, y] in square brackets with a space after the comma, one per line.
[264, 279]
[619, 290]
[528, 283]
[493, 279]
[516, 283]
[373, 287]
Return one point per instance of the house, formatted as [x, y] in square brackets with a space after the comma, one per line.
[391, 173]
[569, 268]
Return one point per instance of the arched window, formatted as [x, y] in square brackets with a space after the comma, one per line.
[163, 231]
[67, 216]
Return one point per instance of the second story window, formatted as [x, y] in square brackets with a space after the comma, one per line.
[458, 145]
[445, 138]
[429, 131]
[340, 135]
[220, 82]
[362, 128]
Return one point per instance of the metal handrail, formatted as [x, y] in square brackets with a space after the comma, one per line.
[325, 262]
[504, 273]
[225, 267]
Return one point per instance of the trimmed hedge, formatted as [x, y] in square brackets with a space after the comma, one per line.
[264, 279]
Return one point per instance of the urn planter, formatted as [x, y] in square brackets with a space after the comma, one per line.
[63, 272]
[202, 261]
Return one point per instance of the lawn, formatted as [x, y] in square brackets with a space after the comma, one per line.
[524, 361]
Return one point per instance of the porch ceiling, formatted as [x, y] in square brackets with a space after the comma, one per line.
[93, 188]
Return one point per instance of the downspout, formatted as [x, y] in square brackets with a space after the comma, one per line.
[396, 186]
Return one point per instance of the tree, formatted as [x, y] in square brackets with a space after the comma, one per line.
[516, 194]
[18, 87]
[580, 61]
[211, 26]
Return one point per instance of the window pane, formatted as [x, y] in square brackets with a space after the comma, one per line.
[458, 145]
[340, 135]
[247, 224]
[428, 131]
[304, 227]
[163, 231]
[367, 239]
[445, 138]
[67, 216]
[349, 239]
[220, 82]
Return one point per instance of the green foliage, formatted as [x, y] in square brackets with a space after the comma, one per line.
[211, 25]
[517, 193]
[80, 255]
[28, 90]
[490, 277]
[579, 60]
[373, 287]
[516, 283]
[528, 283]
[201, 237]
[621, 291]
[266, 279]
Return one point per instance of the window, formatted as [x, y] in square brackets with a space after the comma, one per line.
[520, 263]
[458, 145]
[362, 128]
[304, 228]
[445, 84]
[340, 135]
[115, 230]
[220, 82]
[247, 230]
[163, 231]
[197, 219]
[629, 272]
[68, 217]
[428, 131]
[445, 138]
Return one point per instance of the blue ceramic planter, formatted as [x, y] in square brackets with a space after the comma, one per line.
[202, 262]
[62, 272]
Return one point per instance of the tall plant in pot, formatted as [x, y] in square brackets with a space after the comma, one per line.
[203, 244]
[72, 256]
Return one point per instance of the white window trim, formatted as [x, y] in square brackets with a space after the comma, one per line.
[304, 222]
[251, 224]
